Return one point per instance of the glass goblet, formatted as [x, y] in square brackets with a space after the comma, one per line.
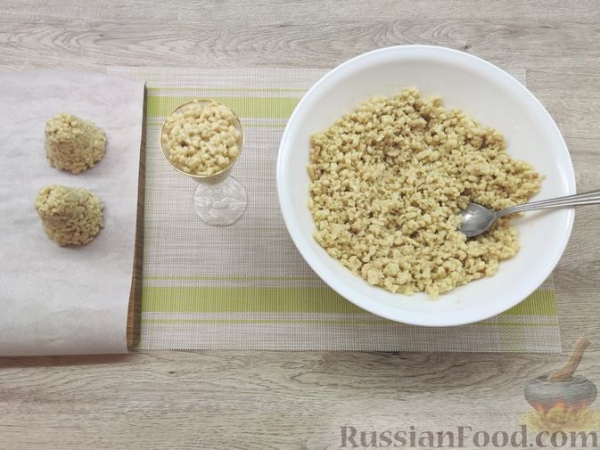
[203, 145]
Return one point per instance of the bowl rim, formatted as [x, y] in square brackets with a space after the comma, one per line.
[420, 318]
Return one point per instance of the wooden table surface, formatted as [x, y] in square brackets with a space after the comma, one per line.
[262, 400]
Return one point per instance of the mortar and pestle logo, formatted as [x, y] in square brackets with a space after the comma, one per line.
[561, 399]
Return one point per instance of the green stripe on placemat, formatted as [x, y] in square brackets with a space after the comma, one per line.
[193, 299]
[245, 299]
[541, 302]
[246, 287]
[248, 107]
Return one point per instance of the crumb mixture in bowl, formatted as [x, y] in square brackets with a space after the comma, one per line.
[202, 138]
[388, 181]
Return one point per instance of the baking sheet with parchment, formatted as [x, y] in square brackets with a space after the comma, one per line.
[66, 300]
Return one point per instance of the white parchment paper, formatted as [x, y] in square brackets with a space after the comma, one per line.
[66, 300]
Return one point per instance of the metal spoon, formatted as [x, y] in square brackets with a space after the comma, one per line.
[477, 218]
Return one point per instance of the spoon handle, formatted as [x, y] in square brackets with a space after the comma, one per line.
[586, 198]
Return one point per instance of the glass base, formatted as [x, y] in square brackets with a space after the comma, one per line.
[220, 204]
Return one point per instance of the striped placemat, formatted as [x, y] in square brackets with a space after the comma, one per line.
[245, 286]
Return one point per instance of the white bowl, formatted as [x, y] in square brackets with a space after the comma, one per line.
[483, 92]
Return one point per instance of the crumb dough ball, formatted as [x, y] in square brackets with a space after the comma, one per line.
[73, 144]
[70, 216]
